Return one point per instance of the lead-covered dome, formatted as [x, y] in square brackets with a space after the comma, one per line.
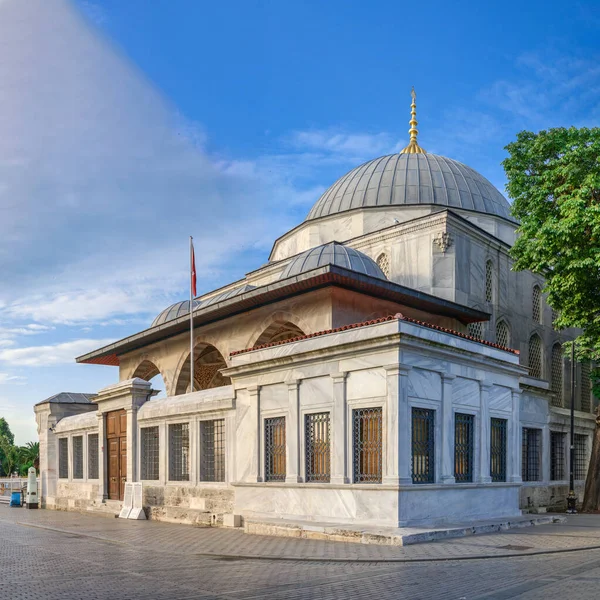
[333, 253]
[412, 179]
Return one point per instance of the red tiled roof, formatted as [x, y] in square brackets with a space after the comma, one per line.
[397, 316]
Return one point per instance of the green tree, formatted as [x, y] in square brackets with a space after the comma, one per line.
[554, 182]
[10, 456]
[5, 434]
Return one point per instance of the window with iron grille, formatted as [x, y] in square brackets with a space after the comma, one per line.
[464, 426]
[77, 457]
[423, 447]
[554, 317]
[149, 453]
[93, 456]
[212, 444]
[503, 334]
[557, 375]
[367, 445]
[535, 356]
[63, 458]
[383, 262]
[531, 454]
[557, 455]
[498, 449]
[536, 307]
[318, 451]
[275, 449]
[489, 281]
[476, 330]
[580, 460]
[179, 452]
[585, 387]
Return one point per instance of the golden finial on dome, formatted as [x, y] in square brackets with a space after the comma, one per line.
[413, 147]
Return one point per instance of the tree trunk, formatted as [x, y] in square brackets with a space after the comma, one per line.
[591, 496]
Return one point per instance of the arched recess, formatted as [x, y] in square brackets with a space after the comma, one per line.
[150, 372]
[279, 319]
[278, 332]
[208, 361]
[556, 374]
[535, 356]
[503, 333]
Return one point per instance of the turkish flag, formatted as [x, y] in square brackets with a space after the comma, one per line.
[193, 269]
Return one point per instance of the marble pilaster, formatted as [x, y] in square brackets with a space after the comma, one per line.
[484, 433]
[447, 418]
[254, 395]
[292, 437]
[339, 430]
[514, 445]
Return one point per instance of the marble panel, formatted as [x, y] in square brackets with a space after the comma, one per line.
[424, 384]
[274, 397]
[500, 399]
[465, 392]
[316, 391]
[245, 467]
[366, 384]
[534, 409]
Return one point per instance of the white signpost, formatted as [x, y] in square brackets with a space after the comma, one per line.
[137, 510]
[127, 502]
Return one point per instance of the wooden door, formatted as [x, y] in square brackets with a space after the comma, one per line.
[116, 441]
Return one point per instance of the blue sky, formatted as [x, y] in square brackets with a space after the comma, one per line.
[125, 127]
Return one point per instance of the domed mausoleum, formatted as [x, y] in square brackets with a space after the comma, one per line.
[385, 368]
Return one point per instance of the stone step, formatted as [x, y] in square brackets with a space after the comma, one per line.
[108, 508]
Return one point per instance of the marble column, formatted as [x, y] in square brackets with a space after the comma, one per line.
[339, 430]
[515, 440]
[447, 418]
[292, 434]
[254, 396]
[484, 433]
[131, 443]
[102, 458]
[398, 427]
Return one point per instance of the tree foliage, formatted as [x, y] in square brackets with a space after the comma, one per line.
[554, 181]
[16, 458]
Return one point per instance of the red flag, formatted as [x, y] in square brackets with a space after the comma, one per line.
[193, 269]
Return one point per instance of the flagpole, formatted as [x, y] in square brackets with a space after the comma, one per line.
[192, 267]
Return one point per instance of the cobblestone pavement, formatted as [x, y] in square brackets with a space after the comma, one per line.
[54, 555]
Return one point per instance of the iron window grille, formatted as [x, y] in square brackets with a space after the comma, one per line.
[554, 318]
[63, 458]
[77, 457]
[212, 443]
[580, 462]
[149, 449]
[384, 264]
[536, 307]
[503, 334]
[489, 281]
[367, 445]
[179, 452]
[318, 449]
[464, 426]
[531, 454]
[557, 375]
[476, 330]
[535, 356]
[93, 456]
[557, 455]
[498, 449]
[275, 449]
[423, 449]
[585, 386]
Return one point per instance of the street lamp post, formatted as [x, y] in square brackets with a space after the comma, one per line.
[571, 498]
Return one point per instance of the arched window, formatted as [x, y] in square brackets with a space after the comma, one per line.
[278, 332]
[586, 386]
[557, 375]
[535, 356]
[489, 281]
[536, 307]
[383, 261]
[554, 317]
[476, 330]
[208, 363]
[503, 334]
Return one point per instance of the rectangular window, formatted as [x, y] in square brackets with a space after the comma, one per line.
[179, 452]
[78, 457]
[498, 449]
[580, 459]
[557, 455]
[212, 444]
[423, 445]
[93, 456]
[531, 455]
[464, 426]
[367, 445]
[63, 458]
[149, 455]
[316, 439]
[275, 449]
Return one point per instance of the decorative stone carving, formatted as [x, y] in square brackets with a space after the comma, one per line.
[442, 240]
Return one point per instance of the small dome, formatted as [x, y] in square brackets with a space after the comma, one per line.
[336, 254]
[174, 311]
[412, 179]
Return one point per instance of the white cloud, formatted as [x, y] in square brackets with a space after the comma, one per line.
[45, 356]
[14, 379]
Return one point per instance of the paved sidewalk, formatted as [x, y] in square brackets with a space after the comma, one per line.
[578, 532]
